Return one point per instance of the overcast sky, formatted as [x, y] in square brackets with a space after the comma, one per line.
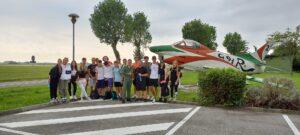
[42, 27]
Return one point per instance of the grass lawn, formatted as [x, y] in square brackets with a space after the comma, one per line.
[295, 77]
[11, 72]
[189, 78]
[16, 97]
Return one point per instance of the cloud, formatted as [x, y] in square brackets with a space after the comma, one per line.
[42, 28]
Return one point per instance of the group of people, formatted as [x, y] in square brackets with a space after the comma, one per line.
[102, 75]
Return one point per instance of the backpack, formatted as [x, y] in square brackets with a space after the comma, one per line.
[114, 95]
[95, 94]
[108, 95]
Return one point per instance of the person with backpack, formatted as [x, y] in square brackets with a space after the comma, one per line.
[82, 82]
[127, 72]
[54, 76]
[73, 80]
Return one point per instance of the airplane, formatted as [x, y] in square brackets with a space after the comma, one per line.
[195, 56]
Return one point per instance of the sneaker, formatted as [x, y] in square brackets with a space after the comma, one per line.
[174, 99]
[74, 97]
[52, 100]
[153, 100]
[148, 97]
[71, 97]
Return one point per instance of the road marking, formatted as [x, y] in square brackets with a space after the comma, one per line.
[15, 131]
[291, 124]
[91, 118]
[87, 108]
[129, 130]
[179, 124]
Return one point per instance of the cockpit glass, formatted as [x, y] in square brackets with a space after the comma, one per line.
[192, 44]
[187, 44]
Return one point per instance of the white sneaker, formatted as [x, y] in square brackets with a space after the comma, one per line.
[174, 99]
[52, 100]
[153, 99]
[71, 97]
[148, 97]
[74, 97]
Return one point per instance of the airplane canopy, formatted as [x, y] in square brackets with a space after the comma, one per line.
[187, 43]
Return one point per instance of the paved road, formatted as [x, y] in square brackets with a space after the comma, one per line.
[23, 83]
[113, 118]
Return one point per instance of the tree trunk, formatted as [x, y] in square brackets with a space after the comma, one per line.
[137, 52]
[116, 52]
[291, 59]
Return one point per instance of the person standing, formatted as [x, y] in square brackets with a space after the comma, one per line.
[82, 82]
[64, 79]
[127, 71]
[135, 66]
[92, 75]
[100, 78]
[141, 84]
[147, 65]
[108, 76]
[73, 80]
[54, 76]
[153, 78]
[163, 79]
[174, 79]
[85, 65]
[117, 79]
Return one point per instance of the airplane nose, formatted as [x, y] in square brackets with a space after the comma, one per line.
[154, 49]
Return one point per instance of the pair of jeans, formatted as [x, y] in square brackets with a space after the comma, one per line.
[70, 84]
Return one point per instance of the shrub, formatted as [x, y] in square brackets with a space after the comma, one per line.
[276, 93]
[221, 86]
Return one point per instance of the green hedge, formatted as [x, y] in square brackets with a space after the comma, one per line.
[221, 86]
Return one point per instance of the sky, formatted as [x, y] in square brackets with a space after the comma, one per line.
[42, 27]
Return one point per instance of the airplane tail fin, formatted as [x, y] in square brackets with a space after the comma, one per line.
[261, 53]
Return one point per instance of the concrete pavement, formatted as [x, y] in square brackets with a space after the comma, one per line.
[112, 117]
[23, 83]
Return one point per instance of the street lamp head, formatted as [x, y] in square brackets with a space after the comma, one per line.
[73, 17]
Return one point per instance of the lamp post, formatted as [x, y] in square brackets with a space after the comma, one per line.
[73, 17]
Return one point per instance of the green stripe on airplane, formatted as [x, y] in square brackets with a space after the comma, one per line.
[162, 48]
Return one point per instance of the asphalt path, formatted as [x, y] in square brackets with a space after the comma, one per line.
[115, 118]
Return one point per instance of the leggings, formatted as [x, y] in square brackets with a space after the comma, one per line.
[73, 82]
[82, 84]
[173, 87]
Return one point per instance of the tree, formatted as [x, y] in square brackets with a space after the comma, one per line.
[234, 43]
[289, 44]
[108, 23]
[137, 31]
[200, 32]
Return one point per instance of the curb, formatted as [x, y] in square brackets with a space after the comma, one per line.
[26, 108]
[253, 109]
